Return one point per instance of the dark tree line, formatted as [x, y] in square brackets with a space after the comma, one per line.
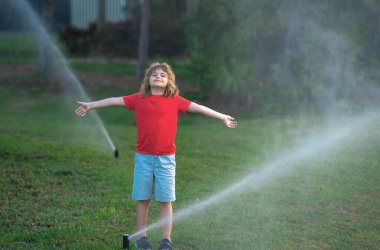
[273, 56]
[277, 56]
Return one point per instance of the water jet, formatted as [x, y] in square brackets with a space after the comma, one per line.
[60, 69]
[313, 147]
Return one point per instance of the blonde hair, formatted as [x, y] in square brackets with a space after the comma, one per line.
[171, 88]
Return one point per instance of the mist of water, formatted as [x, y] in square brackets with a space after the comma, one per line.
[313, 147]
[60, 68]
[329, 63]
[330, 67]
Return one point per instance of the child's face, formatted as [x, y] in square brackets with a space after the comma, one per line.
[158, 78]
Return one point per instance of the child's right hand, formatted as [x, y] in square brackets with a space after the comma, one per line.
[82, 109]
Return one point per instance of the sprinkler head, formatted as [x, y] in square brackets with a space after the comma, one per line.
[116, 152]
[125, 241]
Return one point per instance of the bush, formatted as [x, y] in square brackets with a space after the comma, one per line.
[79, 41]
[118, 39]
[121, 39]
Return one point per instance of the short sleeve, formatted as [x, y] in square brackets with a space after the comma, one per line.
[183, 104]
[130, 101]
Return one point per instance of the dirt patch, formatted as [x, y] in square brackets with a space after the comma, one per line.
[27, 76]
[16, 70]
[93, 79]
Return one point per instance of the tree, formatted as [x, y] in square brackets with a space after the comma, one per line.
[45, 53]
[101, 12]
[191, 6]
[285, 56]
[143, 40]
[233, 45]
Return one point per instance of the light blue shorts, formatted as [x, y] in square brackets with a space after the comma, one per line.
[154, 169]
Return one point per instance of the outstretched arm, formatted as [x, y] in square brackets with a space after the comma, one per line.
[228, 120]
[87, 106]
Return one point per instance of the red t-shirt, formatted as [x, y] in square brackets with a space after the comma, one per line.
[156, 119]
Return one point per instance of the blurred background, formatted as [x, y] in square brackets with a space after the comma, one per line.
[267, 57]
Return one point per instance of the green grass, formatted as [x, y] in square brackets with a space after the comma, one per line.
[62, 188]
[18, 48]
[22, 48]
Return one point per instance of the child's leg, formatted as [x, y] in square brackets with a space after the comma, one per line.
[142, 210]
[166, 211]
[142, 189]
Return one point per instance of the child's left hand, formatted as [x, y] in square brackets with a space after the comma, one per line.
[230, 121]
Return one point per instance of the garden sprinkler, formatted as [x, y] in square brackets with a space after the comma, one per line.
[125, 241]
[116, 153]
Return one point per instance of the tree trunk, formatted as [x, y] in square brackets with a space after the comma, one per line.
[191, 6]
[101, 20]
[143, 40]
[101, 12]
[131, 9]
[45, 53]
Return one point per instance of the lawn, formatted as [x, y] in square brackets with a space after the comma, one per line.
[24, 49]
[62, 187]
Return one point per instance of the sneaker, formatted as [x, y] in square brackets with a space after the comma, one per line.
[165, 244]
[143, 243]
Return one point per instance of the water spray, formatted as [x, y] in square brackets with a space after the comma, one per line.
[269, 172]
[73, 82]
[83, 94]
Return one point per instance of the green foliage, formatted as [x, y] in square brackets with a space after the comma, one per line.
[233, 44]
[205, 29]
[284, 56]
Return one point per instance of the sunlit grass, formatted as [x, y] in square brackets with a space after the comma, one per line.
[62, 190]
[23, 47]
[19, 48]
